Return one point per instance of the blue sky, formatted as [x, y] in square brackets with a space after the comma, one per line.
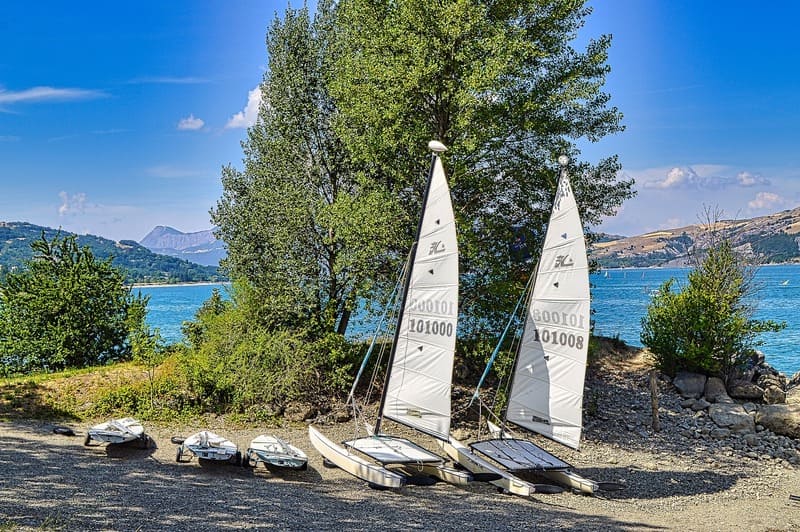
[115, 117]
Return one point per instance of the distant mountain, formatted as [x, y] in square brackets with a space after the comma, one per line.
[773, 238]
[201, 247]
[139, 263]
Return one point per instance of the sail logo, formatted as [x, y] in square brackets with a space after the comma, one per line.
[436, 248]
[563, 261]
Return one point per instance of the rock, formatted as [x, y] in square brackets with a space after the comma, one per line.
[715, 390]
[794, 381]
[700, 404]
[751, 440]
[793, 395]
[300, 411]
[774, 395]
[719, 433]
[688, 403]
[780, 419]
[689, 384]
[778, 381]
[731, 416]
[745, 390]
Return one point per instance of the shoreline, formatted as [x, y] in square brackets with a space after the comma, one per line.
[166, 285]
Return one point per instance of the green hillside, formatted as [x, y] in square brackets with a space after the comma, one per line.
[139, 264]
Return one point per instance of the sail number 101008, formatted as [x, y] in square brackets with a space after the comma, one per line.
[548, 336]
[435, 327]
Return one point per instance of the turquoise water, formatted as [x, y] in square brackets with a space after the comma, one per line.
[619, 301]
[171, 305]
[620, 298]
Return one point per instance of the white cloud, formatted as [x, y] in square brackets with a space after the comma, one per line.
[190, 123]
[9, 138]
[701, 177]
[249, 115]
[72, 205]
[746, 179]
[42, 94]
[767, 200]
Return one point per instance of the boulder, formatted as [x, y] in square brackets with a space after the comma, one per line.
[715, 391]
[731, 416]
[700, 404]
[745, 390]
[690, 384]
[794, 381]
[780, 419]
[774, 395]
[793, 396]
[778, 381]
[300, 411]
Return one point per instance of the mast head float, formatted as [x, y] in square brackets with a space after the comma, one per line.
[563, 160]
[436, 146]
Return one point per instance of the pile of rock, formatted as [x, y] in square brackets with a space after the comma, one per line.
[760, 408]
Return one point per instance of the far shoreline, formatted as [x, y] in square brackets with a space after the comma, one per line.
[166, 285]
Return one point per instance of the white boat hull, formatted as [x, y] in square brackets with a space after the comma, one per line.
[120, 430]
[563, 476]
[275, 453]
[208, 446]
[462, 454]
[374, 474]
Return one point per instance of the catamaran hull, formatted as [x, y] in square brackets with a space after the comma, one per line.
[563, 476]
[374, 474]
[462, 454]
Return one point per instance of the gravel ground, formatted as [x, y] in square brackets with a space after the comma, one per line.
[52, 481]
[680, 478]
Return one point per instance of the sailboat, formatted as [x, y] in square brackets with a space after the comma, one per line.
[417, 386]
[546, 394]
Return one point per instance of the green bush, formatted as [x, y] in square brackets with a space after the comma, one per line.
[708, 326]
[236, 364]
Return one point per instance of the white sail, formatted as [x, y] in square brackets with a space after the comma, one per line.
[418, 389]
[547, 388]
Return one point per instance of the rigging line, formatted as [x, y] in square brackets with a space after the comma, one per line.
[375, 335]
[500, 342]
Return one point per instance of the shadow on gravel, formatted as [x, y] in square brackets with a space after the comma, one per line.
[66, 486]
[644, 484]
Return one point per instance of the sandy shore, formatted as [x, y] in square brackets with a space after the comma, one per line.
[52, 481]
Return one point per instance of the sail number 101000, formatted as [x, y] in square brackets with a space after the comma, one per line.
[441, 328]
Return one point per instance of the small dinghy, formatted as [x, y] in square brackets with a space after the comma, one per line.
[208, 446]
[121, 430]
[274, 453]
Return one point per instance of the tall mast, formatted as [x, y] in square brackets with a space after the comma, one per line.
[436, 147]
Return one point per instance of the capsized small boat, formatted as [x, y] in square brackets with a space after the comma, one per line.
[120, 430]
[208, 446]
[274, 453]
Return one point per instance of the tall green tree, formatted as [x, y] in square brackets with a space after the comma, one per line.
[301, 222]
[503, 86]
[66, 309]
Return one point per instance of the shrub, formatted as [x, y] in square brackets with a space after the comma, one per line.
[707, 327]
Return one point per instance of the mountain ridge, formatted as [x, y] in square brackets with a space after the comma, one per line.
[139, 263]
[200, 247]
[768, 239]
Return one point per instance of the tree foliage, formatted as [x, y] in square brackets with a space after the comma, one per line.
[300, 222]
[709, 325]
[66, 309]
[502, 85]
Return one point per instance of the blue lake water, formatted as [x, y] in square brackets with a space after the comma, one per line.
[171, 305]
[619, 301]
